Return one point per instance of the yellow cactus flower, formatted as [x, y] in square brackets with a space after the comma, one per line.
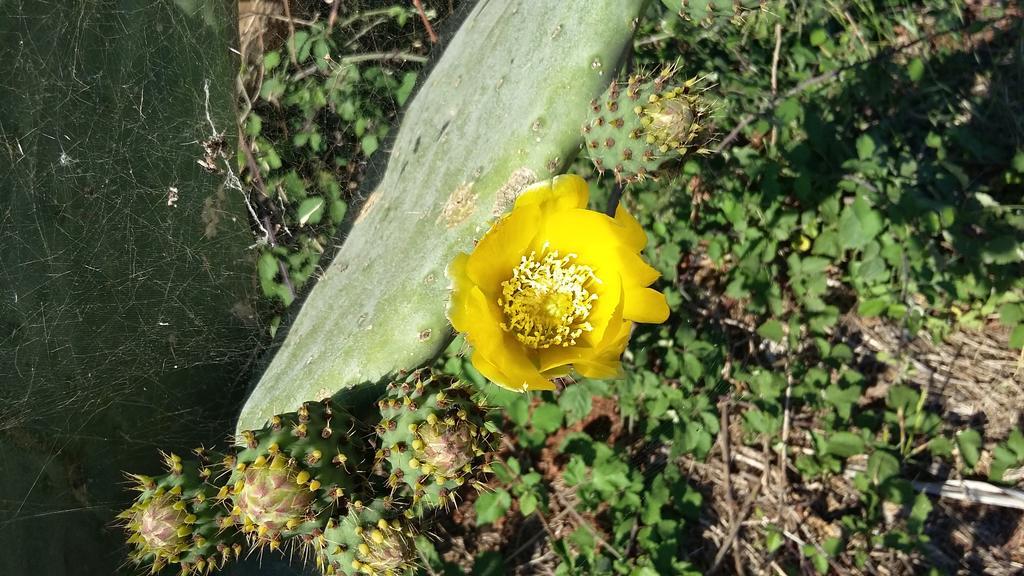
[553, 287]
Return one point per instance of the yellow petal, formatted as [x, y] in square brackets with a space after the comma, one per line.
[588, 358]
[636, 239]
[561, 193]
[496, 353]
[496, 375]
[599, 242]
[609, 302]
[459, 313]
[600, 370]
[635, 270]
[604, 362]
[645, 305]
[502, 248]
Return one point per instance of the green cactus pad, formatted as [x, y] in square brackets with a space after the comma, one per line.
[434, 438]
[177, 521]
[370, 539]
[639, 125]
[297, 471]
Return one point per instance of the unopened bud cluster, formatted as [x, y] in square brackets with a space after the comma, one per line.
[317, 481]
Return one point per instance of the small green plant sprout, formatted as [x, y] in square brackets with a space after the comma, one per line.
[294, 473]
[177, 519]
[370, 539]
[434, 438]
[639, 125]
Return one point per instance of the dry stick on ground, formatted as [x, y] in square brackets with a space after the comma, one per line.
[291, 32]
[426, 21]
[730, 502]
[730, 538]
[536, 535]
[786, 419]
[775, 76]
[583, 522]
[333, 16]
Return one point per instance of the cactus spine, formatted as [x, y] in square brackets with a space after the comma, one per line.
[639, 125]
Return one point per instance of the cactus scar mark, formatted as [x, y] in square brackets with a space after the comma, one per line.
[510, 190]
[368, 205]
[461, 204]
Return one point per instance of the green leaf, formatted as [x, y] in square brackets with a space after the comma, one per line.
[915, 69]
[772, 330]
[490, 506]
[865, 147]
[267, 267]
[969, 442]
[576, 402]
[882, 466]
[547, 418]
[832, 546]
[1002, 459]
[527, 503]
[490, 563]
[773, 540]
[338, 210]
[873, 307]
[405, 89]
[919, 513]
[818, 37]
[859, 224]
[1017, 337]
[272, 89]
[1010, 314]
[271, 60]
[845, 444]
[369, 144]
[1016, 443]
[575, 471]
[1018, 162]
[904, 397]
[940, 446]
[519, 410]
[311, 211]
[844, 399]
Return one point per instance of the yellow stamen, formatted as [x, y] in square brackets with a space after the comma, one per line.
[546, 302]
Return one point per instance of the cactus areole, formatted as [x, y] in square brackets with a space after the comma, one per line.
[380, 306]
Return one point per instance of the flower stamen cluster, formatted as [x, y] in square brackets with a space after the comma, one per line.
[546, 302]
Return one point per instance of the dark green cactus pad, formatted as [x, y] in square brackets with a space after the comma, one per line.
[639, 125]
[177, 519]
[292, 475]
[372, 539]
[434, 438]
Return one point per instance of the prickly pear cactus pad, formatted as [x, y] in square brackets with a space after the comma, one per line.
[371, 539]
[639, 125]
[295, 472]
[501, 109]
[178, 520]
[434, 438]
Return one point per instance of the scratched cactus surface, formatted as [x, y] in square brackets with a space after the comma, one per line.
[502, 108]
